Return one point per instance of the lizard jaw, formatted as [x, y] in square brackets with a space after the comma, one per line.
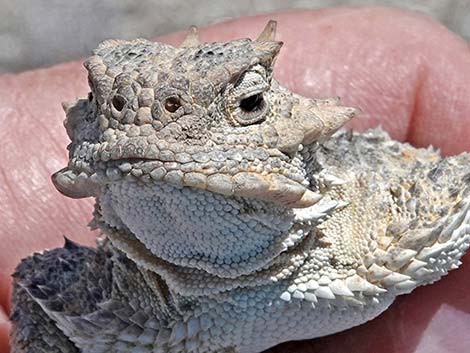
[272, 187]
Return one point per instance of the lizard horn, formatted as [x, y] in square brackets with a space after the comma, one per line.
[192, 38]
[268, 33]
[325, 119]
[311, 121]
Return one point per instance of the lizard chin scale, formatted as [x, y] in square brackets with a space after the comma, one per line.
[177, 223]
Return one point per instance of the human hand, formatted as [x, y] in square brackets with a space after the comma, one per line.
[405, 72]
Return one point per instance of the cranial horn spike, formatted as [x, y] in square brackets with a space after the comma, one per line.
[269, 32]
[192, 38]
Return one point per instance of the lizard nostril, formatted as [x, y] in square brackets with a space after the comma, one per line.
[172, 104]
[119, 102]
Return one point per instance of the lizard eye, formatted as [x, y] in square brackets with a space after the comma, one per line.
[251, 109]
[248, 95]
[172, 104]
[252, 103]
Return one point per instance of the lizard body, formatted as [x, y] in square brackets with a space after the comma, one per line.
[236, 215]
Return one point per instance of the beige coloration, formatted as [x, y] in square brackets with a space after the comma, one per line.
[236, 215]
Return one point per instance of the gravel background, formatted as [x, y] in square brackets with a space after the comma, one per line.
[35, 33]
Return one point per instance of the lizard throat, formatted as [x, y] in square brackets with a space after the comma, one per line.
[191, 228]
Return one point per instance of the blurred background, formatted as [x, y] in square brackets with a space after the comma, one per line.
[37, 33]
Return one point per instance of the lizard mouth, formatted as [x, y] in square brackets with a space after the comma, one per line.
[286, 189]
[250, 172]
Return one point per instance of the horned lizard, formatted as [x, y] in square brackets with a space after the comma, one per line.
[237, 214]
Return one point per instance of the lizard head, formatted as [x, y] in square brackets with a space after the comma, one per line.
[203, 115]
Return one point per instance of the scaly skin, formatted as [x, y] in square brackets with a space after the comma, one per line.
[236, 217]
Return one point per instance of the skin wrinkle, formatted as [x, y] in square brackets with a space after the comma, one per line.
[420, 81]
[290, 68]
[10, 191]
